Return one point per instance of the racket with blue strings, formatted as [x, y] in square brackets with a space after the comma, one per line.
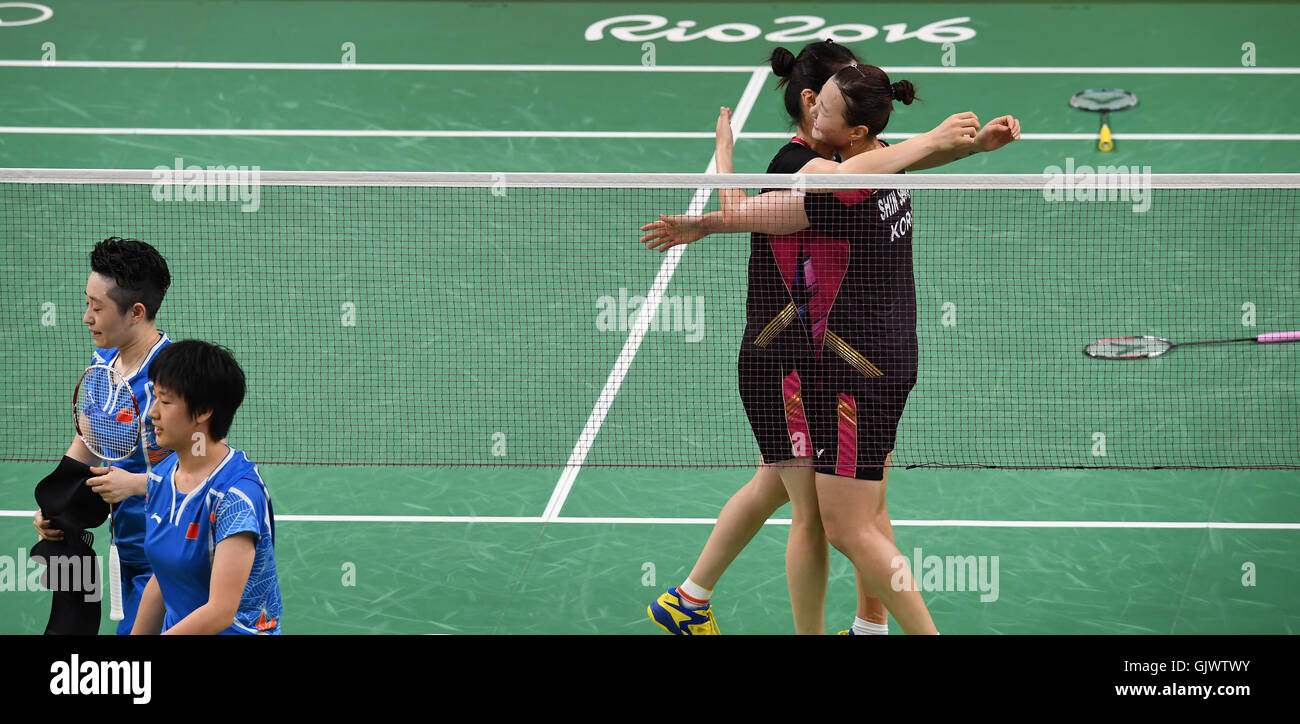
[110, 422]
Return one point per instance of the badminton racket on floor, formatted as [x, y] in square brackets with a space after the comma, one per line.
[1145, 347]
[1103, 101]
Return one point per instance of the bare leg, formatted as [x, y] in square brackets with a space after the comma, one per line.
[740, 519]
[869, 607]
[849, 509]
[806, 556]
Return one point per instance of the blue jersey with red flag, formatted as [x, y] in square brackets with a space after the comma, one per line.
[128, 516]
[184, 529]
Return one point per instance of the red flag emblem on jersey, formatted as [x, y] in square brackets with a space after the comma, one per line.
[126, 416]
[193, 532]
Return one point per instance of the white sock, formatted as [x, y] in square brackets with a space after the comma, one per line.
[862, 627]
[694, 595]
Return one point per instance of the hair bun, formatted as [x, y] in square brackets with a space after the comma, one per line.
[782, 62]
[904, 92]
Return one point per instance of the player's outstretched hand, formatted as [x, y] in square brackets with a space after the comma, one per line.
[997, 133]
[670, 231]
[45, 529]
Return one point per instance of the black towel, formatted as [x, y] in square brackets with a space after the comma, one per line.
[72, 507]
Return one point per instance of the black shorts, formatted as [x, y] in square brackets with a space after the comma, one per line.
[854, 409]
[772, 388]
[840, 409]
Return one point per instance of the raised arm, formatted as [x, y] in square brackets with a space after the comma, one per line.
[994, 135]
[955, 135]
[728, 199]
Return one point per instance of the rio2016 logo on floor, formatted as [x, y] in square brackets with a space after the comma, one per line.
[637, 28]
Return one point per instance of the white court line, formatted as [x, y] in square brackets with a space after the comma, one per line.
[1093, 136]
[429, 67]
[410, 519]
[1184, 525]
[969, 523]
[647, 312]
[1091, 70]
[345, 132]
[420, 133]
[580, 68]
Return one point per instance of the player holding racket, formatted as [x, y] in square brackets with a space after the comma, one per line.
[210, 529]
[127, 283]
[860, 306]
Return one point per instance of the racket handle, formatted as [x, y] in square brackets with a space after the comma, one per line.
[1279, 337]
[1105, 144]
[114, 585]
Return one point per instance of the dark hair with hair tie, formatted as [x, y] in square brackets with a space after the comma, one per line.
[815, 64]
[904, 92]
[869, 96]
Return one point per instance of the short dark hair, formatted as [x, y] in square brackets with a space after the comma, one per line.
[137, 269]
[206, 376]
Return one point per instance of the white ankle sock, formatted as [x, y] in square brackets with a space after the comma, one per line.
[862, 627]
[693, 594]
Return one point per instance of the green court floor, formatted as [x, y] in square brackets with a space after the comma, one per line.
[531, 550]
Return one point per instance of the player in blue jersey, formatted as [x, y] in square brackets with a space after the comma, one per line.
[210, 533]
[127, 283]
[860, 313]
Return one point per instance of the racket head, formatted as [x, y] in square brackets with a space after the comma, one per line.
[1144, 347]
[1103, 100]
[106, 414]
